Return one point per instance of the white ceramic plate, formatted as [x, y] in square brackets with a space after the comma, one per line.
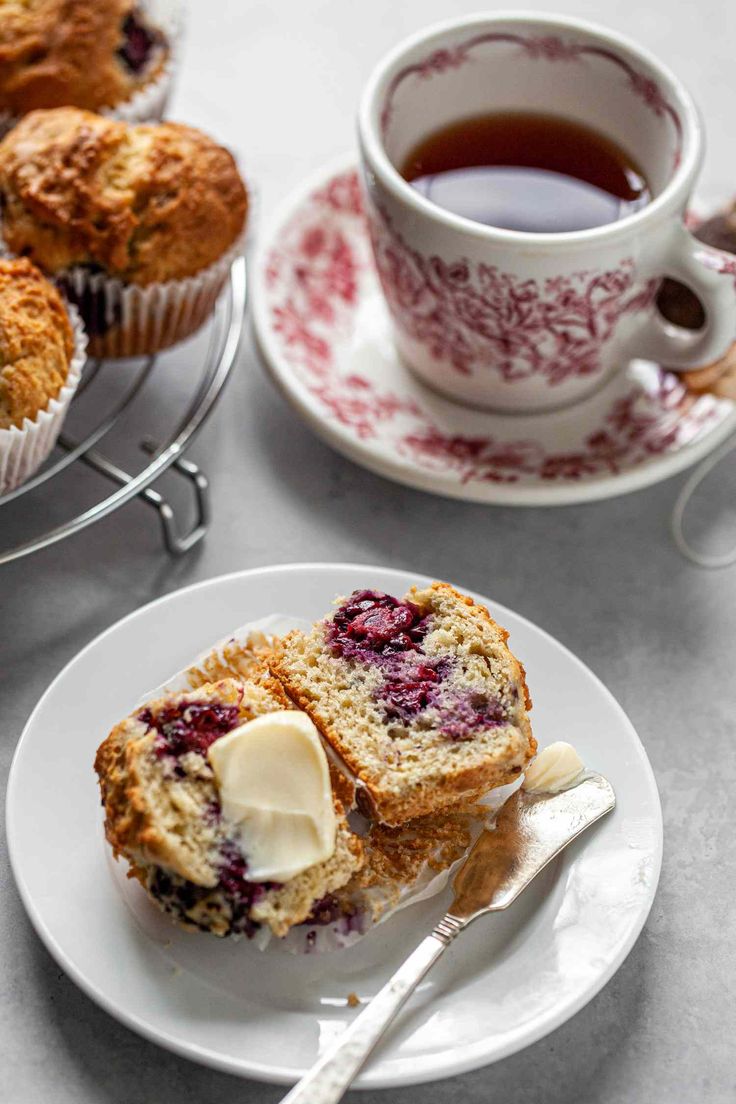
[325, 335]
[506, 982]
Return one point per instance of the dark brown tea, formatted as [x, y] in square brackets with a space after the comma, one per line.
[527, 171]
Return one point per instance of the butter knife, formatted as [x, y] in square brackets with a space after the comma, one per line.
[530, 830]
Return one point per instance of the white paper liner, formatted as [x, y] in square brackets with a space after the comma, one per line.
[320, 938]
[148, 103]
[23, 449]
[276, 624]
[124, 320]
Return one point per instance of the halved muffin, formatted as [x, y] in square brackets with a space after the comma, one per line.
[420, 698]
[163, 814]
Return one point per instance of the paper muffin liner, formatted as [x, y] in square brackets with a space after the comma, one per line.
[148, 103]
[24, 448]
[237, 656]
[125, 320]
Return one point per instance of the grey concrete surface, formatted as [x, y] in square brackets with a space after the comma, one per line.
[280, 82]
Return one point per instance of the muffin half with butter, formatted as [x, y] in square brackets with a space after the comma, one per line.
[220, 799]
[42, 352]
[103, 55]
[138, 225]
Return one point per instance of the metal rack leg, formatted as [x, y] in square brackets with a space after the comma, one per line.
[221, 357]
[176, 543]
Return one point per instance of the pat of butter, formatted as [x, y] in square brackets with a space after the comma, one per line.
[555, 768]
[274, 785]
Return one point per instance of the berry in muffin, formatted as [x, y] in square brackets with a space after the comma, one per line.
[420, 697]
[134, 222]
[164, 814]
[36, 342]
[88, 53]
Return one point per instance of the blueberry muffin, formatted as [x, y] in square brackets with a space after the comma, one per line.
[137, 224]
[90, 53]
[41, 357]
[420, 697]
[163, 814]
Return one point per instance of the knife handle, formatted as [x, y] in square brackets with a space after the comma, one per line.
[332, 1074]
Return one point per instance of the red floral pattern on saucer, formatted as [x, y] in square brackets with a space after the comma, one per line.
[324, 328]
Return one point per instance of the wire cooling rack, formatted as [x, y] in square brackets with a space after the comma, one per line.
[99, 417]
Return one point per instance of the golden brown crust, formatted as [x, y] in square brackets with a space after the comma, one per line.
[130, 822]
[36, 342]
[58, 52]
[127, 817]
[147, 203]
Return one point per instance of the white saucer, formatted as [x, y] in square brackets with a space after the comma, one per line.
[324, 332]
[506, 982]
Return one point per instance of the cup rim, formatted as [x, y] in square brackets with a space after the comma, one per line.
[374, 153]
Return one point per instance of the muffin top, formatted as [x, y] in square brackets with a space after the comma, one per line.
[144, 203]
[92, 53]
[36, 342]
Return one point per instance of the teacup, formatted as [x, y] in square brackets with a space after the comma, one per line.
[529, 322]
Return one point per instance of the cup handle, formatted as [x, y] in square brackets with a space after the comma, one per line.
[711, 275]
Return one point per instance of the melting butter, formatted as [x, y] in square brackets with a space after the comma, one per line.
[555, 768]
[274, 784]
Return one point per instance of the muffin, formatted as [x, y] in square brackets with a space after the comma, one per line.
[163, 813]
[419, 697]
[95, 54]
[42, 352]
[138, 224]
